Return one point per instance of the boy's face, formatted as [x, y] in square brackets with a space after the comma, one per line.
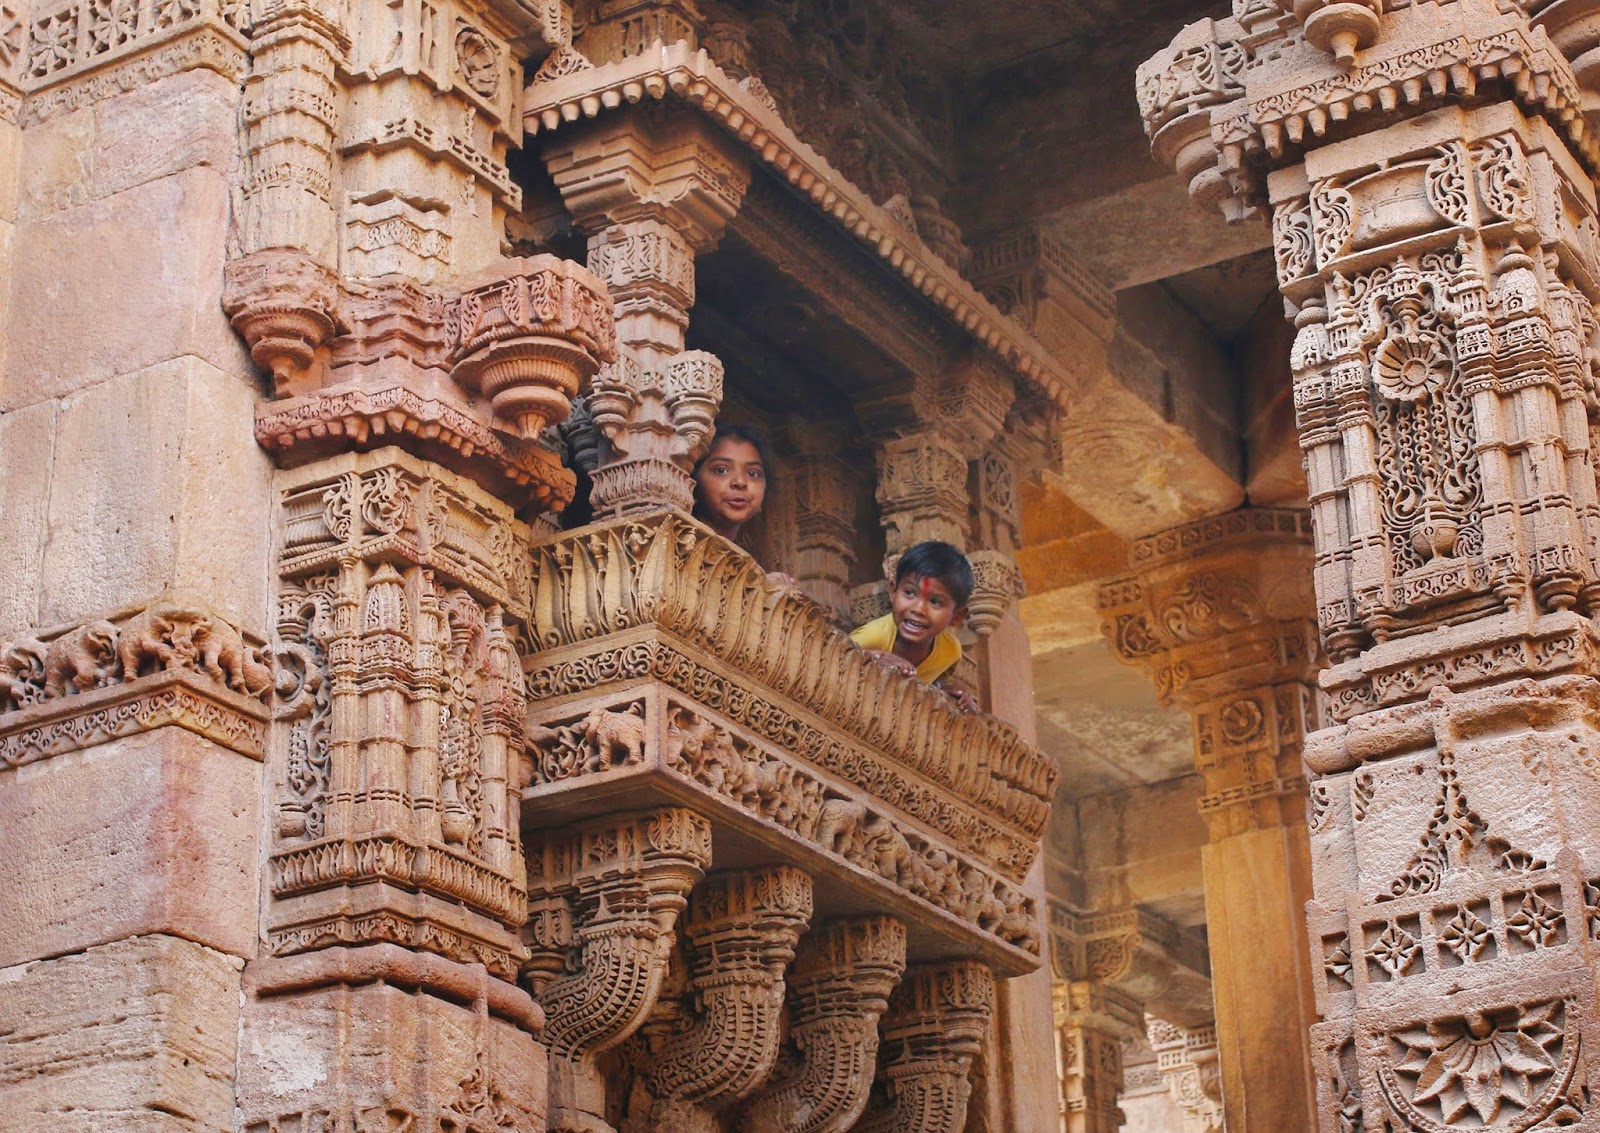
[923, 608]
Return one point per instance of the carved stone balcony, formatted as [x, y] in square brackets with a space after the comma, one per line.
[669, 670]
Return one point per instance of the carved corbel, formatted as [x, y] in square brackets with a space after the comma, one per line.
[1178, 89]
[283, 303]
[838, 989]
[933, 1030]
[528, 336]
[741, 935]
[604, 903]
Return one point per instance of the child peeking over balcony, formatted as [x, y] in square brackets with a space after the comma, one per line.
[932, 584]
[730, 484]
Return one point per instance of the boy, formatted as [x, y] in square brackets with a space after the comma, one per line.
[932, 584]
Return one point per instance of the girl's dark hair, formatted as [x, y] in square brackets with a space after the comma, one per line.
[730, 431]
[939, 561]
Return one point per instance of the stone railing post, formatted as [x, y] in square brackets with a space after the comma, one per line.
[1444, 391]
[653, 190]
[1219, 616]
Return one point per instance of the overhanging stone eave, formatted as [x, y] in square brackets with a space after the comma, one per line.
[691, 75]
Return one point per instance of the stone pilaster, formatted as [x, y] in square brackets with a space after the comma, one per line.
[1444, 392]
[653, 189]
[1218, 616]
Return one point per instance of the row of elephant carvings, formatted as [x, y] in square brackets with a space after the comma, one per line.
[161, 638]
[774, 787]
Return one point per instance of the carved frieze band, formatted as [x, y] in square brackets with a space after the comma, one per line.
[639, 732]
[170, 663]
[666, 571]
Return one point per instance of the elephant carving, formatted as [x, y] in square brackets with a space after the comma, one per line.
[159, 639]
[21, 674]
[615, 737]
[83, 659]
[225, 657]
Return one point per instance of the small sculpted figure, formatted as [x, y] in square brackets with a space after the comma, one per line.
[933, 583]
[615, 738]
[80, 660]
[21, 674]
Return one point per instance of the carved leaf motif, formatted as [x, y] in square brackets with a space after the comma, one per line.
[1504, 182]
[1292, 242]
[1333, 208]
[1446, 185]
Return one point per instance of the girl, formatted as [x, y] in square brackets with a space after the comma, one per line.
[730, 483]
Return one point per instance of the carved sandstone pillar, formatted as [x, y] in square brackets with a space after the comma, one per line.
[1217, 616]
[1441, 271]
[653, 188]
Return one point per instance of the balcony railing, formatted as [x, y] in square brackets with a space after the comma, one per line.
[669, 670]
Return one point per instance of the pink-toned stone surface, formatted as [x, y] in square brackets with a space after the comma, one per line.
[154, 477]
[115, 284]
[378, 1048]
[156, 833]
[134, 1035]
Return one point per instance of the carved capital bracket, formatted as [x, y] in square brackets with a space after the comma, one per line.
[1188, 1061]
[1135, 954]
[838, 988]
[656, 421]
[654, 188]
[933, 1030]
[1218, 616]
[604, 903]
[741, 935]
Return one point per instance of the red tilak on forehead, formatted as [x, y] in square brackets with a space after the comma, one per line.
[926, 585]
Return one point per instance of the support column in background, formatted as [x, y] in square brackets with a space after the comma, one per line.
[1219, 616]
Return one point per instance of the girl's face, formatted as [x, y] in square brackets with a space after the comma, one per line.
[731, 484]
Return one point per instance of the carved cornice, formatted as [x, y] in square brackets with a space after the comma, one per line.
[692, 75]
[100, 52]
[169, 663]
[1222, 103]
[171, 699]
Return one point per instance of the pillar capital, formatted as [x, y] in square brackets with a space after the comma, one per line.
[1217, 607]
[650, 163]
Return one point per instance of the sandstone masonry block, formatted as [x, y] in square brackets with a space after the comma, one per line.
[135, 1035]
[118, 284]
[155, 833]
[154, 477]
[27, 445]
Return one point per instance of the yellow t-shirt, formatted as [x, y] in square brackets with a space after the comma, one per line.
[880, 634]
